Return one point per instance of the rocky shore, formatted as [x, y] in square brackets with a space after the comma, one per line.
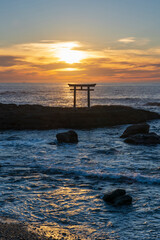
[13, 230]
[37, 117]
[18, 231]
[153, 104]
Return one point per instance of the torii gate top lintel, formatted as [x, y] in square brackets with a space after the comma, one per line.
[81, 87]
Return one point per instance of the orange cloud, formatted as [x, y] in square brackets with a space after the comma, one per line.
[54, 61]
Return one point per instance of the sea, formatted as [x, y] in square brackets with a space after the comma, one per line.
[59, 188]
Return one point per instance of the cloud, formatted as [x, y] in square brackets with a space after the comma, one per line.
[127, 40]
[136, 41]
[52, 66]
[8, 61]
[38, 61]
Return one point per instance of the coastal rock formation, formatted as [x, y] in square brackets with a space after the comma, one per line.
[17, 231]
[36, 117]
[117, 197]
[153, 104]
[67, 137]
[145, 139]
[135, 129]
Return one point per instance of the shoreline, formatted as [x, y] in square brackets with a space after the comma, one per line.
[11, 229]
[37, 117]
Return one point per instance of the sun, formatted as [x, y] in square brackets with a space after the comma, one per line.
[66, 53]
[70, 56]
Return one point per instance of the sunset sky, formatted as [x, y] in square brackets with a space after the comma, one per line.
[79, 41]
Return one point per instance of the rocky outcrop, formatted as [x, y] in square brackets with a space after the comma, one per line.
[135, 129]
[117, 197]
[153, 104]
[67, 137]
[145, 139]
[38, 117]
[11, 229]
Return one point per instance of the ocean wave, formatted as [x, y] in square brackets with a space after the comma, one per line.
[104, 176]
[14, 92]
[118, 98]
[110, 176]
[112, 151]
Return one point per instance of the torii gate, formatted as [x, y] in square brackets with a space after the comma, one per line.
[82, 87]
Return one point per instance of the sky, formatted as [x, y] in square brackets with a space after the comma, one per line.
[79, 41]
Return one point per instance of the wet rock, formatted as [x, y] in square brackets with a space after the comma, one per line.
[52, 143]
[36, 117]
[136, 129]
[117, 197]
[123, 200]
[153, 104]
[110, 197]
[145, 139]
[18, 231]
[67, 137]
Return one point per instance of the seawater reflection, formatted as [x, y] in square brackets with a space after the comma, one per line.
[61, 186]
[74, 210]
[59, 94]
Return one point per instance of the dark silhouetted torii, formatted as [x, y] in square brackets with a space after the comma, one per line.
[82, 87]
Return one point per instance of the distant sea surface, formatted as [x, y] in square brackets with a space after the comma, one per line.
[60, 95]
[60, 186]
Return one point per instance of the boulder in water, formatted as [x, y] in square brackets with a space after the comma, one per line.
[145, 139]
[110, 197]
[67, 137]
[123, 200]
[136, 129]
[117, 197]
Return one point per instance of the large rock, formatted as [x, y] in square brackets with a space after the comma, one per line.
[36, 117]
[135, 129]
[67, 137]
[111, 196]
[146, 139]
[123, 200]
[117, 197]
